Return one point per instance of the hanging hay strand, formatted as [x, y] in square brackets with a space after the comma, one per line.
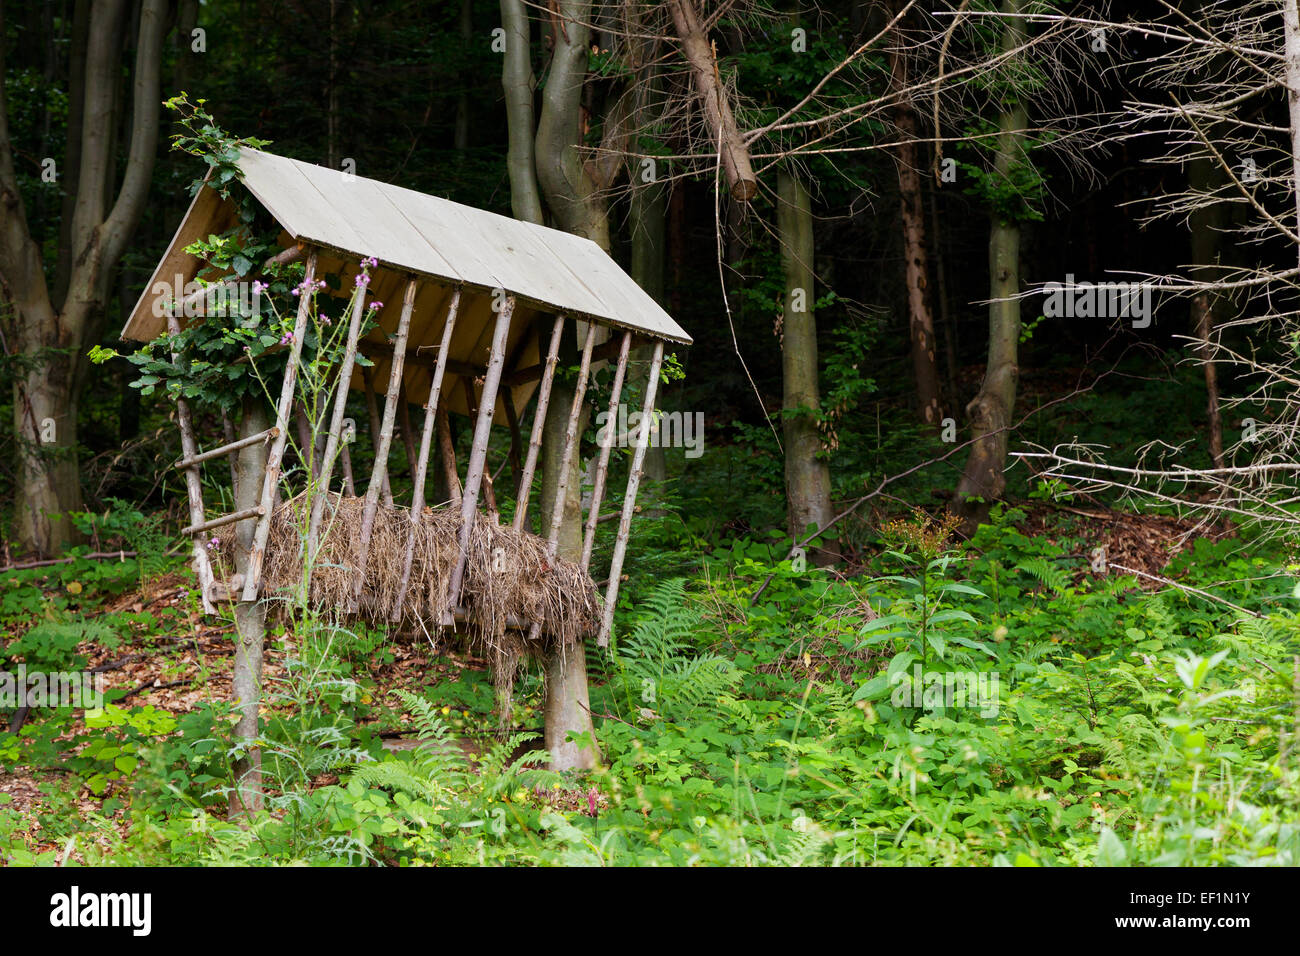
[509, 579]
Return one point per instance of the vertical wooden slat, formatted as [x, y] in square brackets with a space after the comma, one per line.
[602, 467]
[426, 447]
[335, 437]
[629, 496]
[193, 484]
[524, 489]
[271, 483]
[570, 442]
[372, 409]
[379, 472]
[478, 451]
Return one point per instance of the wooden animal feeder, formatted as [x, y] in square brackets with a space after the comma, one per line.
[476, 307]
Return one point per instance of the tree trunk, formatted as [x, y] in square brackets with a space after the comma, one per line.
[983, 481]
[517, 81]
[1207, 224]
[570, 192]
[54, 342]
[573, 198]
[567, 699]
[807, 474]
[915, 254]
[649, 208]
[725, 135]
[250, 616]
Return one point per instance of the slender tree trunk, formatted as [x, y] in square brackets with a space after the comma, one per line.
[983, 481]
[517, 81]
[466, 25]
[647, 222]
[925, 368]
[807, 474]
[250, 616]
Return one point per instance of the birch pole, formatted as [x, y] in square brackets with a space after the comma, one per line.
[524, 492]
[629, 496]
[602, 466]
[379, 473]
[193, 483]
[333, 442]
[426, 447]
[478, 451]
[271, 480]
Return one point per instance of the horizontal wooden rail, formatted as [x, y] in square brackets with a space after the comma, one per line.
[267, 435]
[224, 520]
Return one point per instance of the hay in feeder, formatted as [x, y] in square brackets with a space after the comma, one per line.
[509, 581]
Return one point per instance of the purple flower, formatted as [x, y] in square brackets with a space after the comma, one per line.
[363, 280]
[324, 319]
[286, 338]
[376, 305]
[370, 262]
[214, 543]
[259, 287]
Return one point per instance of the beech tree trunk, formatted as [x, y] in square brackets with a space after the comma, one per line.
[572, 196]
[53, 339]
[807, 474]
[568, 188]
[983, 481]
[517, 80]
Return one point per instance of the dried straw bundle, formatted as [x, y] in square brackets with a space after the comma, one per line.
[509, 580]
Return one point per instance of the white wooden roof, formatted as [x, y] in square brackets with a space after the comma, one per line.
[407, 231]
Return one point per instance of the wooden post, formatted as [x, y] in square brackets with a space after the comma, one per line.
[478, 451]
[271, 481]
[372, 409]
[448, 456]
[602, 467]
[426, 447]
[524, 490]
[380, 470]
[629, 496]
[193, 483]
[570, 442]
[335, 438]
